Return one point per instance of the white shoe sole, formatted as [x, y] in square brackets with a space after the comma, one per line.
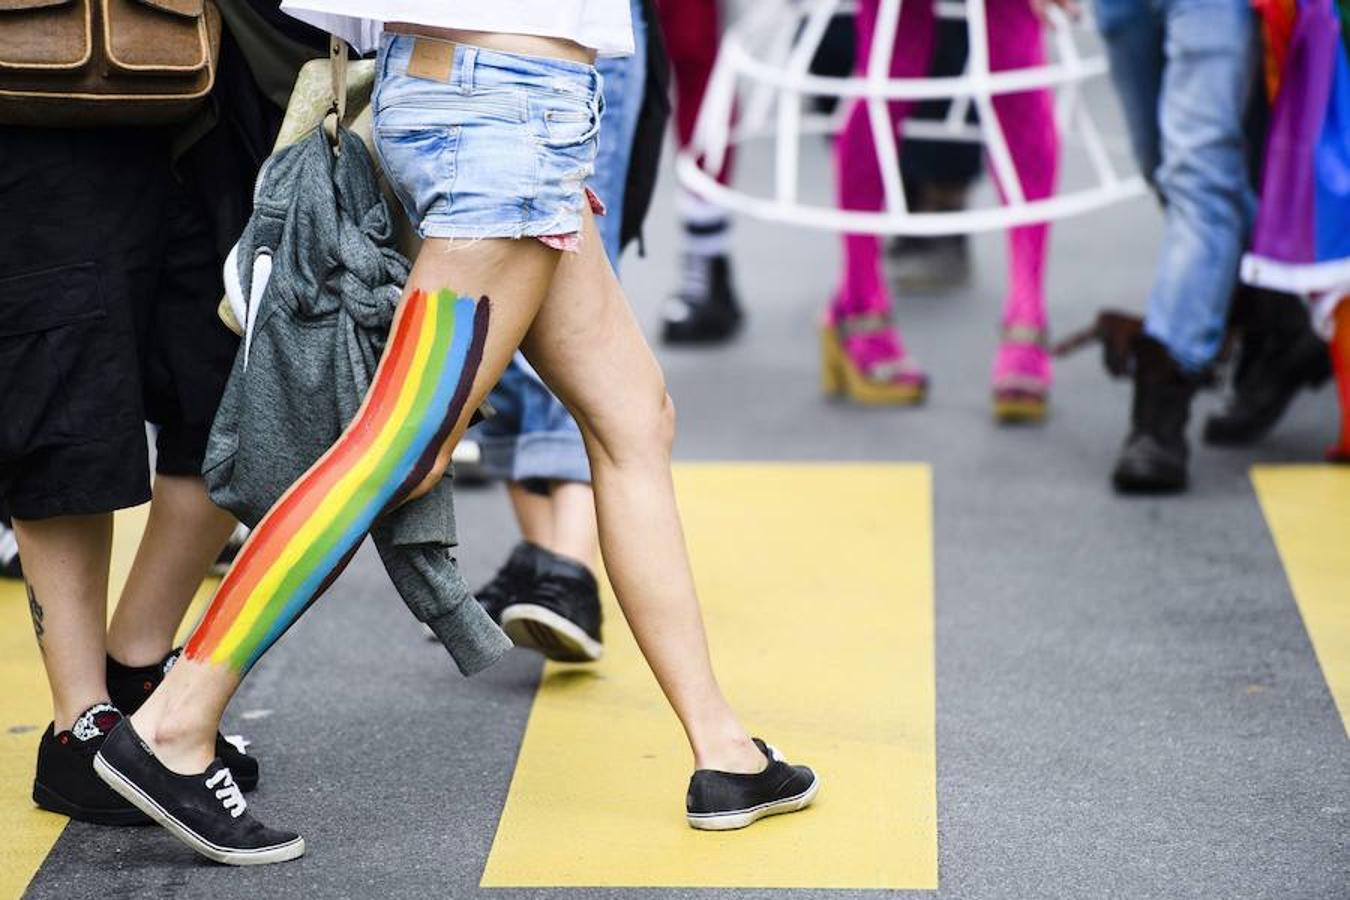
[730, 821]
[538, 628]
[137, 798]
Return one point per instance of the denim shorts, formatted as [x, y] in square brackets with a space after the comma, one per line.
[501, 149]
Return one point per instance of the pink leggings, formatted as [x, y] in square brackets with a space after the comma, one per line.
[1015, 41]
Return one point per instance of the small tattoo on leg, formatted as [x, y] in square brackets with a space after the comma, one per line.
[35, 610]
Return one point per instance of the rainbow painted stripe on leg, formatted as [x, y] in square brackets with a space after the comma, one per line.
[307, 538]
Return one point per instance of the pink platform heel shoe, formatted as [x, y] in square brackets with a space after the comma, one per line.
[1022, 375]
[863, 359]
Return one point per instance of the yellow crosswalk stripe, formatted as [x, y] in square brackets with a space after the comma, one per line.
[25, 710]
[817, 584]
[1307, 509]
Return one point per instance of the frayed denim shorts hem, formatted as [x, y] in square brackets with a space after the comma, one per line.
[501, 147]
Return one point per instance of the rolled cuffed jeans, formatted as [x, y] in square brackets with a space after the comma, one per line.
[1183, 70]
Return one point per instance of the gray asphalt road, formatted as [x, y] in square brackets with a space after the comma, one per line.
[1128, 704]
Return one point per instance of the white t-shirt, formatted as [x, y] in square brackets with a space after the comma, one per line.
[605, 26]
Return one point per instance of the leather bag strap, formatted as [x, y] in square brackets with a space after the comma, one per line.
[337, 65]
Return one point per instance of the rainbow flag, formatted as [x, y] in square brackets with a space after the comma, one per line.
[1301, 242]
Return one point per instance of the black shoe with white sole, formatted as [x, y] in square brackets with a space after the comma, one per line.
[559, 615]
[722, 801]
[131, 686]
[512, 580]
[206, 811]
[65, 782]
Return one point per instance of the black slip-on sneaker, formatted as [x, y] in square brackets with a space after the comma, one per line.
[722, 801]
[130, 686]
[512, 581]
[206, 811]
[65, 782]
[560, 614]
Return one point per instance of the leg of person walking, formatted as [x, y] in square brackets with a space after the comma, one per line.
[705, 308]
[1183, 69]
[598, 363]
[72, 442]
[546, 596]
[1022, 371]
[864, 355]
[183, 535]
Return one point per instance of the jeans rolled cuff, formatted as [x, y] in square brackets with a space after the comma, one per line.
[1191, 356]
[555, 456]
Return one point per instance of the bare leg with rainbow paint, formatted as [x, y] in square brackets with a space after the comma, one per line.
[442, 359]
[587, 346]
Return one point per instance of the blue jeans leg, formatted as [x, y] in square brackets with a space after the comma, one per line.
[1134, 46]
[624, 79]
[1184, 69]
[1210, 50]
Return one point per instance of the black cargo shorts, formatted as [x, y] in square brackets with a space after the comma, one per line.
[109, 281]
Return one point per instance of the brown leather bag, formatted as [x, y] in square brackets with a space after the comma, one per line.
[70, 63]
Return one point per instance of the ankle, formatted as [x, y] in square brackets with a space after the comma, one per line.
[66, 710]
[138, 656]
[163, 724]
[730, 753]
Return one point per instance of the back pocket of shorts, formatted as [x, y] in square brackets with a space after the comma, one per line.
[59, 364]
[419, 161]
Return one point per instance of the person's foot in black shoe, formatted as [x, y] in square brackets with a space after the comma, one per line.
[560, 614]
[1270, 375]
[129, 686]
[722, 801]
[512, 581]
[65, 782]
[704, 310]
[1154, 458]
[206, 811]
[10, 567]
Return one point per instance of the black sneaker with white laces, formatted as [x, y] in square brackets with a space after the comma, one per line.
[512, 581]
[560, 613]
[131, 686]
[65, 782]
[722, 801]
[206, 811]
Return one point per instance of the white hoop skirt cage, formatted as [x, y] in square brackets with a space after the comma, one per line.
[761, 83]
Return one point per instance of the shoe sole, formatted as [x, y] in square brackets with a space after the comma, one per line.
[538, 628]
[48, 799]
[730, 821]
[1020, 410]
[1127, 484]
[139, 799]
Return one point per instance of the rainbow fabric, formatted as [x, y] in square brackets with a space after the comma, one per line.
[1301, 240]
[307, 538]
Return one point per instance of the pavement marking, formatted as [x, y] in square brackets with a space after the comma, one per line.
[817, 585]
[25, 710]
[1307, 509]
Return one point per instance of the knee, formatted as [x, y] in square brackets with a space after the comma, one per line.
[636, 435]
